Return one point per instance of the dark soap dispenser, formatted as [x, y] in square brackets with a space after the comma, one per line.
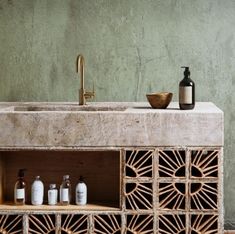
[186, 91]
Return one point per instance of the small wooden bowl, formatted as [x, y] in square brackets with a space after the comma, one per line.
[159, 100]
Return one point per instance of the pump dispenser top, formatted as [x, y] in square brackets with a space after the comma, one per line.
[186, 71]
[81, 179]
[21, 173]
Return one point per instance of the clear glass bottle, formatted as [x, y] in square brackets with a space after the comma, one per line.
[65, 191]
[19, 190]
[52, 195]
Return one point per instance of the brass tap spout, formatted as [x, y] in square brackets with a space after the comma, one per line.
[83, 95]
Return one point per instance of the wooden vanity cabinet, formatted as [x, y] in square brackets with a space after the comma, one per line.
[130, 190]
[148, 171]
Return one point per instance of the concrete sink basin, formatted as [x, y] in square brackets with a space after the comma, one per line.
[64, 107]
[48, 125]
[68, 108]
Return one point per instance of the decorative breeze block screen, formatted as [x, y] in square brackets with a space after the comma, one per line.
[163, 191]
[180, 188]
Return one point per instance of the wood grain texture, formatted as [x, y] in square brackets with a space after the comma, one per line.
[99, 206]
[2, 178]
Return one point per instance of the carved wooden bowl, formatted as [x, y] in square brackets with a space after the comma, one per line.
[159, 100]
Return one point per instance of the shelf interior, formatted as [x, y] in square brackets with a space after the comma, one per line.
[101, 170]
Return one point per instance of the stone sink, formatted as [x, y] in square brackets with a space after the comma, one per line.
[108, 124]
[36, 107]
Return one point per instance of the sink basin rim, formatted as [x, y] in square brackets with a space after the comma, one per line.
[66, 108]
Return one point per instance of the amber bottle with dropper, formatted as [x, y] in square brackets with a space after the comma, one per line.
[19, 191]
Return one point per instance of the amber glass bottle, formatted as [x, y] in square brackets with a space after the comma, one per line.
[19, 191]
[186, 91]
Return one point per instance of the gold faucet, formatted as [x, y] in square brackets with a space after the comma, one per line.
[83, 95]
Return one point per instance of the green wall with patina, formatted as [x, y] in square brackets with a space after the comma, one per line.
[131, 47]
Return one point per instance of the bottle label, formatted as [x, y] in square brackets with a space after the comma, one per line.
[186, 95]
[81, 194]
[65, 195]
[37, 196]
[20, 193]
[80, 197]
[52, 197]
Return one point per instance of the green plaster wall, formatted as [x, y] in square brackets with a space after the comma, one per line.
[131, 47]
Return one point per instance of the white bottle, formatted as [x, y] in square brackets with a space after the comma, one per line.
[52, 195]
[81, 192]
[37, 192]
[65, 191]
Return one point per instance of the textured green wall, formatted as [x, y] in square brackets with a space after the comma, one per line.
[131, 47]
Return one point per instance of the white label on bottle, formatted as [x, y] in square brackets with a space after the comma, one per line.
[81, 194]
[80, 197]
[52, 197]
[37, 196]
[65, 195]
[186, 95]
[20, 193]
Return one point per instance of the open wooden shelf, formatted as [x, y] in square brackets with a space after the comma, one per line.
[9, 206]
[101, 170]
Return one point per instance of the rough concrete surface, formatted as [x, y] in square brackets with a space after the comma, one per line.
[131, 47]
[137, 125]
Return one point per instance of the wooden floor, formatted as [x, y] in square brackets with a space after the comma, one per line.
[229, 232]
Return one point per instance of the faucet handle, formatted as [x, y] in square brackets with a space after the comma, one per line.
[90, 94]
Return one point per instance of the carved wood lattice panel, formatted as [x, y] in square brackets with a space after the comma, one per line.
[42, 224]
[204, 163]
[172, 196]
[204, 223]
[74, 224]
[186, 180]
[138, 192]
[139, 196]
[11, 224]
[139, 164]
[172, 223]
[203, 196]
[163, 191]
[172, 163]
[139, 224]
[107, 224]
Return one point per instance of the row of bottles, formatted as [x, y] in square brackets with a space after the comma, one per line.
[37, 191]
